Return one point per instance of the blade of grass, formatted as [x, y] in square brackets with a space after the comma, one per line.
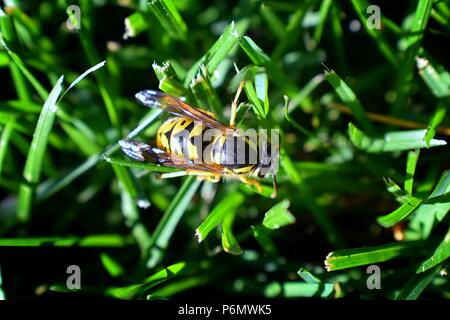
[204, 93]
[350, 258]
[433, 210]
[111, 265]
[338, 36]
[229, 242]
[413, 43]
[167, 14]
[297, 289]
[400, 214]
[103, 240]
[437, 118]
[396, 191]
[103, 79]
[416, 285]
[308, 198]
[216, 54]
[133, 221]
[441, 254]
[274, 23]
[135, 290]
[166, 226]
[292, 31]
[254, 52]
[226, 206]
[168, 80]
[264, 240]
[391, 141]
[350, 99]
[28, 75]
[33, 164]
[51, 186]
[308, 276]
[278, 216]
[377, 36]
[323, 14]
[4, 141]
[135, 24]
[140, 165]
[411, 164]
[435, 80]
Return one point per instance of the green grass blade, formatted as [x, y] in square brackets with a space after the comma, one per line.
[292, 30]
[350, 99]
[2, 293]
[278, 216]
[441, 253]
[216, 54]
[308, 198]
[434, 209]
[323, 14]
[140, 165]
[383, 45]
[227, 206]
[395, 190]
[129, 183]
[308, 276]
[229, 242]
[103, 240]
[434, 79]
[204, 93]
[4, 141]
[137, 290]
[133, 221]
[400, 214]
[49, 187]
[350, 258]
[254, 52]
[437, 118]
[262, 237]
[252, 95]
[274, 23]
[111, 265]
[416, 285]
[168, 80]
[413, 40]
[82, 76]
[33, 165]
[135, 24]
[167, 14]
[391, 141]
[28, 75]
[166, 226]
[411, 164]
[298, 289]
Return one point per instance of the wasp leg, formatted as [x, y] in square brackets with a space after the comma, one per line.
[206, 175]
[169, 175]
[251, 182]
[234, 104]
[210, 176]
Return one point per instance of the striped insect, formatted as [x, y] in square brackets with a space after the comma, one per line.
[196, 142]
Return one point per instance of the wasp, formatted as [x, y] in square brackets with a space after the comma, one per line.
[181, 143]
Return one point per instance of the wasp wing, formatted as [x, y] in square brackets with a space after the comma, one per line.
[164, 101]
[145, 153]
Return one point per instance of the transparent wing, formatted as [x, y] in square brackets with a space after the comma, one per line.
[164, 101]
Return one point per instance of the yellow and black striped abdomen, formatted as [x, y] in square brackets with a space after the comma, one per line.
[176, 136]
[185, 138]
